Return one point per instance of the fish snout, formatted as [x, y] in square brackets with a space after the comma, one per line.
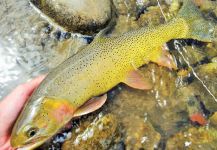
[15, 142]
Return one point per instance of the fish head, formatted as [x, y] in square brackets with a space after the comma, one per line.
[40, 121]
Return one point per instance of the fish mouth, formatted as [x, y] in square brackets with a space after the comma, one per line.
[33, 143]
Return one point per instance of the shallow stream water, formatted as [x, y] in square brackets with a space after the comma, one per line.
[28, 44]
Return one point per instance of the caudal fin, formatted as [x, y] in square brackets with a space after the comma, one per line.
[199, 28]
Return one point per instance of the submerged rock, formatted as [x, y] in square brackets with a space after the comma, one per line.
[205, 86]
[83, 16]
[141, 135]
[194, 139]
[213, 120]
[148, 115]
[97, 135]
[134, 14]
[205, 5]
[192, 54]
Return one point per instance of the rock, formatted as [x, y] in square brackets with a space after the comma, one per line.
[133, 15]
[125, 7]
[214, 60]
[193, 54]
[193, 139]
[83, 16]
[141, 135]
[153, 17]
[97, 135]
[205, 5]
[206, 90]
[123, 25]
[213, 120]
[164, 106]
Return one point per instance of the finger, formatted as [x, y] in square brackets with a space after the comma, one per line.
[31, 85]
[21, 93]
[5, 144]
[12, 104]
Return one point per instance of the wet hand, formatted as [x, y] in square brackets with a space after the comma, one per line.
[10, 108]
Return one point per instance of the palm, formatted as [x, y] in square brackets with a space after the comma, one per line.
[10, 108]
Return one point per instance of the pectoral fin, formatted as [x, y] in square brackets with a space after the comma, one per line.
[166, 60]
[136, 80]
[90, 106]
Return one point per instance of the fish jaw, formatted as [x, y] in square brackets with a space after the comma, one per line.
[31, 144]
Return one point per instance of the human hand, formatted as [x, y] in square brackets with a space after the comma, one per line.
[10, 108]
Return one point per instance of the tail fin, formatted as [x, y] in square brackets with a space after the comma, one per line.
[199, 28]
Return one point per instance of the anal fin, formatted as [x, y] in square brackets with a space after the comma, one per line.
[136, 80]
[90, 106]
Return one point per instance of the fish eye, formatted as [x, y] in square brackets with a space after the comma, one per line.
[32, 132]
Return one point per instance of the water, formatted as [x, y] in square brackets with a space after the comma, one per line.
[29, 46]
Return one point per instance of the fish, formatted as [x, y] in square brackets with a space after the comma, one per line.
[78, 86]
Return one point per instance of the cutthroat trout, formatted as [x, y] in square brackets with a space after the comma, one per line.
[76, 86]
